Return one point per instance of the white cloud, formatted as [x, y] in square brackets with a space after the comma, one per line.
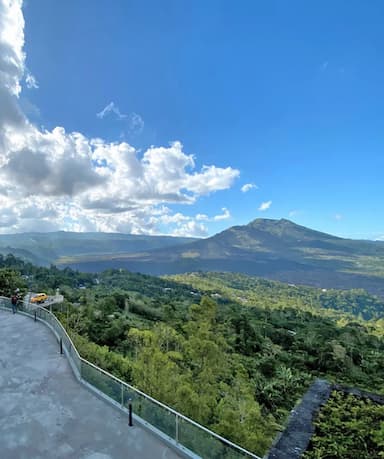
[211, 178]
[11, 63]
[109, 109]
[174, 218]
[201, 217]
[65, 180]
[293, 213]
[248, 186]
[224, 216]
[265, 205]
[31, 81]
[49, 163]
[191, 228]
[338, 217]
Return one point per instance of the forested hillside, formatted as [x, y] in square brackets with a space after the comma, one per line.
[254, 291]
[348, 426]
[215, 346]
[273, 249]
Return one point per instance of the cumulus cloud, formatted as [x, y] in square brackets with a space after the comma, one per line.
[191, 228]
[49, 163]
[265, 205]
[248, 186]
[53, 179]
[224, 216]
[192, 225]
[11, 63]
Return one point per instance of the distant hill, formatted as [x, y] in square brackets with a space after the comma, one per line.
[47, 248]
[274, 249]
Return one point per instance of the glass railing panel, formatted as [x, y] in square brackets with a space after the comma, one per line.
[5, 303]
[76, 359]
[191, 436]
[52, 320]
[101, 381]
[156, 415]
[71, 350]
[57, 326]
[204, 443]
[41, 313]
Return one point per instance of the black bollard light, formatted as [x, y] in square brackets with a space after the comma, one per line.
[61, 345]
[130, 423]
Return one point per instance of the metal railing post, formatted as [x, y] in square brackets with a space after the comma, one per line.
[35, 315]
[81, 363]
[130, 423]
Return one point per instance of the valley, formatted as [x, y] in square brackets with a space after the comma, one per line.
[272, 249]
[231, 351]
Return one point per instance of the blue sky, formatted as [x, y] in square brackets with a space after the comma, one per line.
[287, 94]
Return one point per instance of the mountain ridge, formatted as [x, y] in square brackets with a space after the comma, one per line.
[46, 248]
[274, 249]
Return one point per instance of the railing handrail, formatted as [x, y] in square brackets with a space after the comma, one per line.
[168, 408]
[143, 394]
[64, 330]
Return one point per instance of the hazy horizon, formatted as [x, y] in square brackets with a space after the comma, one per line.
[170, 235]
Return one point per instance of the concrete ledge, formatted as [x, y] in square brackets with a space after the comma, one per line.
[178, 448]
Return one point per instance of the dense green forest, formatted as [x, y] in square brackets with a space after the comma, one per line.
[255, 291]
[348, 427]
[232, 352]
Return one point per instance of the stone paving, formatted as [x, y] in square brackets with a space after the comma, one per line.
[45, 413]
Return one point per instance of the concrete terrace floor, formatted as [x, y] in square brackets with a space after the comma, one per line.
[46, 413]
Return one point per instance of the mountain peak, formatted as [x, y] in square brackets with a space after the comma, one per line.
[284, 228]
[269, 223]
[272, 221]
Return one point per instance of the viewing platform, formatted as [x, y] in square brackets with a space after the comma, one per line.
[45, 413]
